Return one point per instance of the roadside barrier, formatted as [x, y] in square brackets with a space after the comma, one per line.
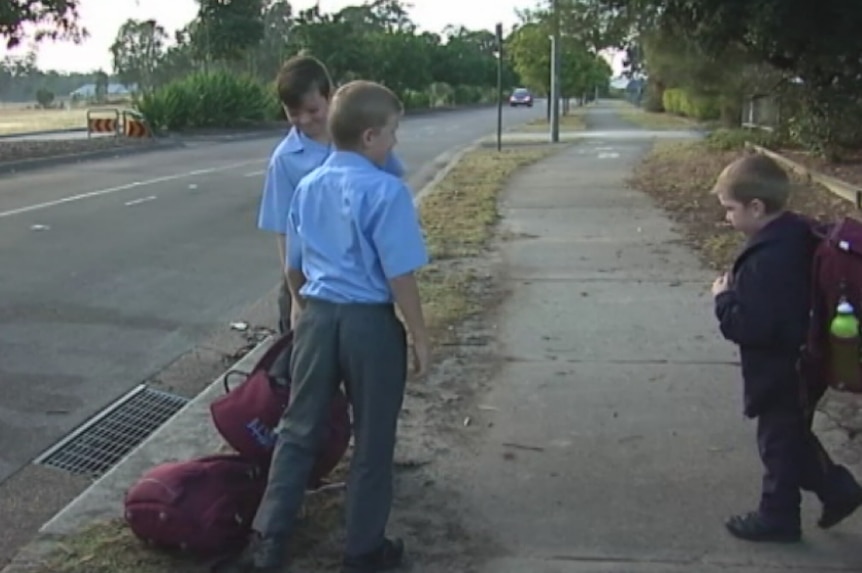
[128, 123]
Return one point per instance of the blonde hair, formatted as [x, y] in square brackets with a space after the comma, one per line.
[358, 106]
[755, 177]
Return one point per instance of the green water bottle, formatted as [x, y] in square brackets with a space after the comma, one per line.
[844, 345]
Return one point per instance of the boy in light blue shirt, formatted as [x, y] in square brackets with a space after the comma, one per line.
[354, 244]
[304, 88]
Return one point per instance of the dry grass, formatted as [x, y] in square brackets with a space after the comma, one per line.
[655, 120]
[29, 120]
[459, 218]
[573, 121]
[15, 120]
[679, 177]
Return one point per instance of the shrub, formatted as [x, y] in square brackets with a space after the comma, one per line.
[214, 99]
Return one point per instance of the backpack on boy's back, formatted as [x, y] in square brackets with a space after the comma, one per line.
[205, 506]
[832, 356]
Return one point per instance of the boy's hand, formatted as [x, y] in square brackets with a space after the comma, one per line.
[295, 312]
[421, 357]
[720, 285]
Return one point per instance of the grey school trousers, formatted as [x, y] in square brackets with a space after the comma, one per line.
[366, 347]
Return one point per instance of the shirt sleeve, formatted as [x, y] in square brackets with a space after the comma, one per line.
[278, 191]
[394, 165]
[395, 231]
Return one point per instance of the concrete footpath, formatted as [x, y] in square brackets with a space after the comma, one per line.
[616, 439]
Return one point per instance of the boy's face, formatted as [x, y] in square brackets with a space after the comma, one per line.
[747, 219]
[377, 143]
[310, 116]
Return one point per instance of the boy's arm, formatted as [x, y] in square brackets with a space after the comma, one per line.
[293, 262]
[747, 312]
[405, 291]
[399, 243]
[278, 190]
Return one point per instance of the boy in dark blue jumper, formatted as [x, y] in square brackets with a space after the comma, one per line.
[763, 306]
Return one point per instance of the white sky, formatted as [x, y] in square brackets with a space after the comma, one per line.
[103, 18]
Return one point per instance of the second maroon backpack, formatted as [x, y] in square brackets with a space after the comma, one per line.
[246, 416]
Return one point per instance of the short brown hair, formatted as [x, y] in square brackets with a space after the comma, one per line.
[299, 76]
[755, 177]
[358, 106]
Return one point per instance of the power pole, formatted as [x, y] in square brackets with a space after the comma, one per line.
[499, 31]
[555, 75]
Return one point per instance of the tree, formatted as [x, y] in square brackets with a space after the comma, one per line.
[815, 46]
[137, 50]
[51, 18]
[230, 29]
[102, 81]
[44, 98]
[584, 32]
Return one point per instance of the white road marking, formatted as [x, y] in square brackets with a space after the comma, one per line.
[608, 155]
[141, 200]
[40, 228]
[255, 173]
[134, 185]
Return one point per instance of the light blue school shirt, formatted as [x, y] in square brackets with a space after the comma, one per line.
[351, 228]
[295, 157]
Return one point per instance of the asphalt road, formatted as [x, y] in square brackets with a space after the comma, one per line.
[113, 269]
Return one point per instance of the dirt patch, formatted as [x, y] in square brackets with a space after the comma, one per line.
[847, 168]
[461, 290]
[12, 151]
[679, 176]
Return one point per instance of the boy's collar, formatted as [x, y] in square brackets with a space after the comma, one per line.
[346, 157]
[297, 141]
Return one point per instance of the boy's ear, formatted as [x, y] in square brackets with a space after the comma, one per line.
[757, 208]
[368, 136]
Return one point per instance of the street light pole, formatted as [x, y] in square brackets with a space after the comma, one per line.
[555, 75]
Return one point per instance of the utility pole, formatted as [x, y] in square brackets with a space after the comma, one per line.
[555, 75]
[499, 31]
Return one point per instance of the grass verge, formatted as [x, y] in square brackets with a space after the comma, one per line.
[655, 120]
[679, 176]
[29, 120]
[573, 121]
[459, 218]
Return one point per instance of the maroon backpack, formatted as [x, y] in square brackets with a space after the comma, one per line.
[203, 506]
[247, 415]
[836, 274]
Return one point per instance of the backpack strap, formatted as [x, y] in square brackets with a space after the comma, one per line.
[265, 362]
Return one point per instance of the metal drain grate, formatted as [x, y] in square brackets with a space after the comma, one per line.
[104, 440]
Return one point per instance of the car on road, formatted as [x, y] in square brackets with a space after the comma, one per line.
[521, 96]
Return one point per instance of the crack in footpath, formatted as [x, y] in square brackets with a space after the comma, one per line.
[655, 361]
[671, 282]
[615, 561]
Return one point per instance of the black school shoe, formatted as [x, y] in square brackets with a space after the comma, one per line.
[753, 527]
[836, 512]
[259, 556]
[389, 556]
